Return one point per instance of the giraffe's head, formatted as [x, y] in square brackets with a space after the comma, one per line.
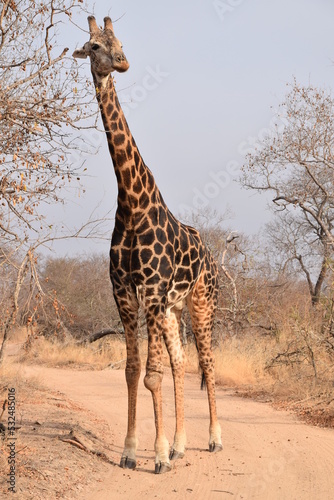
[104, 50]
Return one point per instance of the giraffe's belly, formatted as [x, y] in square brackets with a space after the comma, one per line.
[178, 293]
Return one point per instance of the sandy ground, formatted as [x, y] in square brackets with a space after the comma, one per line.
[268, 454]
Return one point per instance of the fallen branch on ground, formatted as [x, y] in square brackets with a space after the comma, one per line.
[100, 335]
[112, 365]
[83, 443]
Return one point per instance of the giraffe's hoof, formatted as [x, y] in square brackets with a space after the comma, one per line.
[215, 447]
[174, 455]
[162, 467]
[128, 463]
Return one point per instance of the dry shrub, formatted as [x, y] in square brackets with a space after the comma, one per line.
[84, 296]
[302, 362]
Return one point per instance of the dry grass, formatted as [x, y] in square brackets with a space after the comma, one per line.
[247, 364]
[95, 356]
[238, 362]
[109, 351]
[12, 375]
[242, 363]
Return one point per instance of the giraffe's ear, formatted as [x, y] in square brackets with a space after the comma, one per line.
[80, 53]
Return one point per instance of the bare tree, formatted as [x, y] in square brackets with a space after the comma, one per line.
[300, 248]
[41, 101]
[296, 163]
[44, 107]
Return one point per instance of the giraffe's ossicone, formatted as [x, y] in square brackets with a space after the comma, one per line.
[156, 262]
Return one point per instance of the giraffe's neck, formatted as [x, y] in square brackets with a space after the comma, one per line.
[136, 187]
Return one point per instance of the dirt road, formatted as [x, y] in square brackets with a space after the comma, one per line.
[267, 454]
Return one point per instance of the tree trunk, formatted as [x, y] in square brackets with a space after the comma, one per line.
[320, 281]
[12, 317]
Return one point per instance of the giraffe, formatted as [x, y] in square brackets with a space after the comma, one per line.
[156, 263]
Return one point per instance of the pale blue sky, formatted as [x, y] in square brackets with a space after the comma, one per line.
[203, 77]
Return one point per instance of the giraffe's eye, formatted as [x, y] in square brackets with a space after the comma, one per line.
[95, 46]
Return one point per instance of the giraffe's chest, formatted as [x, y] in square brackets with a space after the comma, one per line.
[174, 287]
[155, 264]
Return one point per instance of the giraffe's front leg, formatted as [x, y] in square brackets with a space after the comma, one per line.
[152, 381]
[128, 310]
[132, 373]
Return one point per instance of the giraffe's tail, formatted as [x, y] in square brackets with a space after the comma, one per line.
[203, 382]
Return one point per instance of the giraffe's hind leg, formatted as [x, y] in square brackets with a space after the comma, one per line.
[202, 304]
[176, 353]
[128, 310]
